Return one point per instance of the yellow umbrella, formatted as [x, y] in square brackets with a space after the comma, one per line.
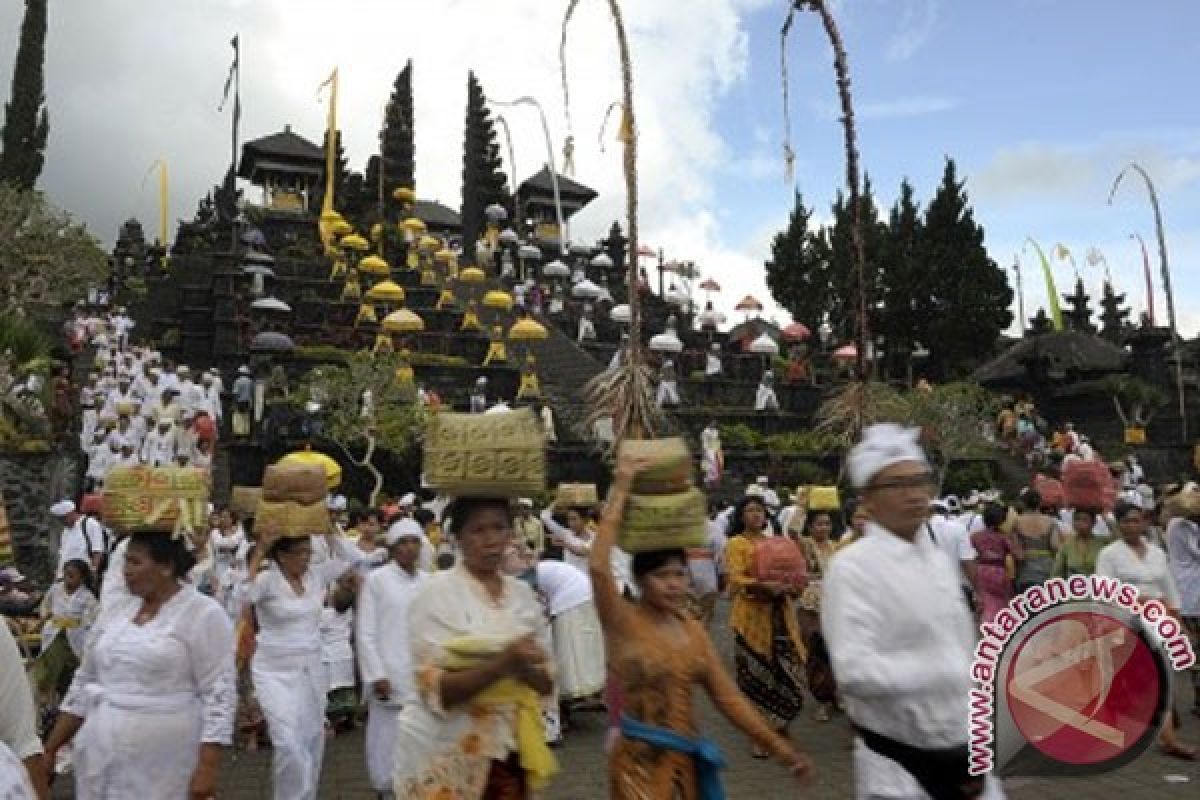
[354, 241]
[429, 244]
[404, 194]
[472, 275]
[372, 265]
[497, 299]
[527, 330]
[386, 292]
[339, 227]
[413, 225]
[445, 255]
[309, 458]
[403, 321]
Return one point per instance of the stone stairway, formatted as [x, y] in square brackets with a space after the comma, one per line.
[564, 368]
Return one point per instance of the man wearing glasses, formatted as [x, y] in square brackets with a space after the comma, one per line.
[900, 634]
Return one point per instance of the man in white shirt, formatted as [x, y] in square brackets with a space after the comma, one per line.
[900, 634]
[82, 537]
[384, 654]
[158, 448]
[706, 564]
[952, 536]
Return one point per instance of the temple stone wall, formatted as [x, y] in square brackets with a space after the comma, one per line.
[31, 484]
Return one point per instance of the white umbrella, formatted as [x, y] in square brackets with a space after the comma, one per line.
[496, 212]
[508, 236]
[528, 251]
[764, 345]
[271, 304]
[676, 296]
[621, 313]
[666, 342]
[711, 317]
[602, 261]
[556, 269]
[585, 289]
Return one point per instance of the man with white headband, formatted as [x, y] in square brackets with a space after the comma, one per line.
[900, 634]
[384, 658]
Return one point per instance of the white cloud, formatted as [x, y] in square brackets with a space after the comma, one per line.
[896, 108]
[919, 19]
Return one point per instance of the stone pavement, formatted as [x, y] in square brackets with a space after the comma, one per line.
[247, 776]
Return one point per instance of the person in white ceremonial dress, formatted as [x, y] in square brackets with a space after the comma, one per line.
[900, 635]
[152, 703]
[287, 598]
[381, 635]
[22, 765]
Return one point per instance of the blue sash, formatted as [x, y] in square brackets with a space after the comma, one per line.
[706, 756]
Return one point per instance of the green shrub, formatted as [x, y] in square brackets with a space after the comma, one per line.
[740, 437]
[963, 476]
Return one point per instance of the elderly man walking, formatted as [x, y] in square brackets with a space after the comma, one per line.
[900, 633]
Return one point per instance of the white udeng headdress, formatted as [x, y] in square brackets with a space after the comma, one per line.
[881, 446]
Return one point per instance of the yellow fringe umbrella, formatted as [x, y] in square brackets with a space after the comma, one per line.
[498, 300]
[356, 242]
[403, 321]
[374, 265]
[312, 458]
[527, 329]
[472, 275]
[404, 194]
[386, 292]
[339, 227]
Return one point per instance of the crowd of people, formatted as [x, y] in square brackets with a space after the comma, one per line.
[469, 632]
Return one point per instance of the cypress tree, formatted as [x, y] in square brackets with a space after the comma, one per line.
[902, 317]
[26, 125]
[484, 181]
[968, 292]
[1078, 314]
[798, 270]
[396, 137]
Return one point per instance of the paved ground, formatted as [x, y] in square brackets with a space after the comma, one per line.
[248, 776]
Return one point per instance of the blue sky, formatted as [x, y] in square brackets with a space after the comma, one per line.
[1040, 103]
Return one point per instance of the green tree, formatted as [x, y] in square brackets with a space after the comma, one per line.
[798, 270]
[364, 410]
[484, 181]
[843, 302]
[968, 292]
[902, 310]
[46, 258]
[26, 125]
[396, 137]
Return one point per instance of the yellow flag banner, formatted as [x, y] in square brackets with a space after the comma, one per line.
[330, 157]
[1051, 289]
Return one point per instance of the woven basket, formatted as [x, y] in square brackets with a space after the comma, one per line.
[294, 484]
[664, 522]
[288, 519]
[670, 465]
[155, 499]
[576, 495]
[485, 455]
[245, 500]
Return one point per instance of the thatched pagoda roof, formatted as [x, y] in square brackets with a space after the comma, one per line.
[1061, 353]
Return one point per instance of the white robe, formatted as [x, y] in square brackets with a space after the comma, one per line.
[58, 605]
[765, 399]
[288, 676]
[453, 604]
[900, 639]
[381, 636]
[150, 695]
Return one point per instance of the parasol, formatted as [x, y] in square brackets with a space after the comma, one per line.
[764, 345]
[271, 304]
[585, 289]
[341, 228]
[602, 261]
[709, 285]
[386, 292]
[255, 257]
[508, 236]
[621, 313]
[676, 297]
[403, 321]
[496, 213]
[472, 275]
[501, 301]
[556, 269]
[646, 251]
[354, 241]
[796, 331]
[404, 194]
[311, 458]
[846, 352]
[748, 303]
[373, 265]
[272, 342]
[666, 342]
[529, 252]
[413, 226]
[527, 330]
